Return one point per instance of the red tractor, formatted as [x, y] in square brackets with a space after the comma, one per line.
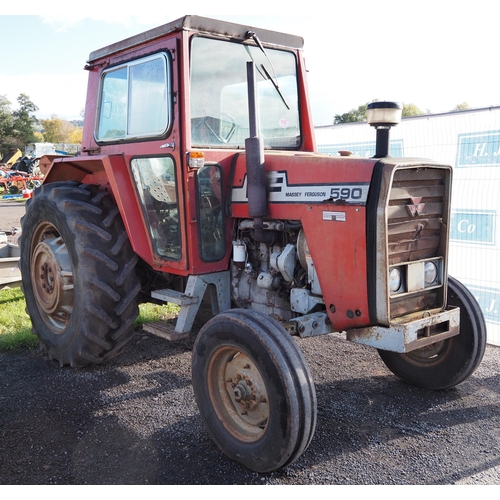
[199, 183]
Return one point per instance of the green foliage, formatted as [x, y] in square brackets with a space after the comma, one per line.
[461, 106]
[411, 110]
[355, 115]
[17, 127]
[359, 114]
[15, 324]
[6, 126]
[24, 121]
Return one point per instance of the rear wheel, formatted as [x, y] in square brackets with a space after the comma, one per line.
[78, 273]
[254, 390]
[451, 361]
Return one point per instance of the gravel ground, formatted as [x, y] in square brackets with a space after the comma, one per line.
[134, 421]
[11, 212]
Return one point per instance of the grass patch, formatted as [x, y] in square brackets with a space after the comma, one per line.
[15, 324]
[153, 312]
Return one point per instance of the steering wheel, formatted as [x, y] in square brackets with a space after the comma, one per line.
[223, 139]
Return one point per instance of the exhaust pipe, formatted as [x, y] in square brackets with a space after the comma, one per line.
[254, 146]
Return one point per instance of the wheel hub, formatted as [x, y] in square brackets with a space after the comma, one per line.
[242, 392]
[247, 391]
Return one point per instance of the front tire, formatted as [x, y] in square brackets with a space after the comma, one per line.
[451, 361]
[78, 273]
[253, 389]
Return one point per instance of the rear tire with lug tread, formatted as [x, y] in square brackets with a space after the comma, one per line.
[78, 273]
[451, 361]
[253, 389]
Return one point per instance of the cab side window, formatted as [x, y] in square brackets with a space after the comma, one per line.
[157, 188]
[135, 100]
[210, 213]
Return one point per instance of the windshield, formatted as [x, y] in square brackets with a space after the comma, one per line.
[219, 103]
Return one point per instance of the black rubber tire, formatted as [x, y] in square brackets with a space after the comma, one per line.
[450, 362]
[274, 371]
[78, 273]
[14, 189]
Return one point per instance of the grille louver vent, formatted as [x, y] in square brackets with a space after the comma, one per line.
[415, 214]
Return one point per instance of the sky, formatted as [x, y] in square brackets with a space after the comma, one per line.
[434, 54]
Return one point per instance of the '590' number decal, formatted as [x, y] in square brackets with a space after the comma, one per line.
[355, 194]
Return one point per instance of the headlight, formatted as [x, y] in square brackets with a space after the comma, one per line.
[430, 273]
[395, 279]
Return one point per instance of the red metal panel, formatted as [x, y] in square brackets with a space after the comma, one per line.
[338, 250]
[304, 169]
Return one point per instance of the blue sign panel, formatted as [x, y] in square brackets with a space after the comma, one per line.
[471, 226]
[489, 301]
[478, 149]
[362, 149]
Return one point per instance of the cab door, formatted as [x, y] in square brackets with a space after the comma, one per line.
[139, 116]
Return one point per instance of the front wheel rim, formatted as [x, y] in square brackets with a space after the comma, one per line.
[238, 394]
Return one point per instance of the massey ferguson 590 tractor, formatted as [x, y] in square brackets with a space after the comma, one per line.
[199, 183]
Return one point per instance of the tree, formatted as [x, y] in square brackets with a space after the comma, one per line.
[355, 115]
[52, 129]
[411, 110]
[61, 131]
[76, 136]
[6, 126]
[24, 120]
[38, 137]
[16, 127]
[359, 114]
[461, 106]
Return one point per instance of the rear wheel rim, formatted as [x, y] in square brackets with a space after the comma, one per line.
[52, 277]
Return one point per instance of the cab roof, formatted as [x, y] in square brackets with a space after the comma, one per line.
[202, 25]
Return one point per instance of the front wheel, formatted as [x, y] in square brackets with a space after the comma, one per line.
[253, 389]
[447, 363]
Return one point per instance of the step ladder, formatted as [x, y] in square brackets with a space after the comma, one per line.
[218, 285]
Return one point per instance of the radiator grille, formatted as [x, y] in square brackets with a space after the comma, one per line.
[420, 191]
[416, 228]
